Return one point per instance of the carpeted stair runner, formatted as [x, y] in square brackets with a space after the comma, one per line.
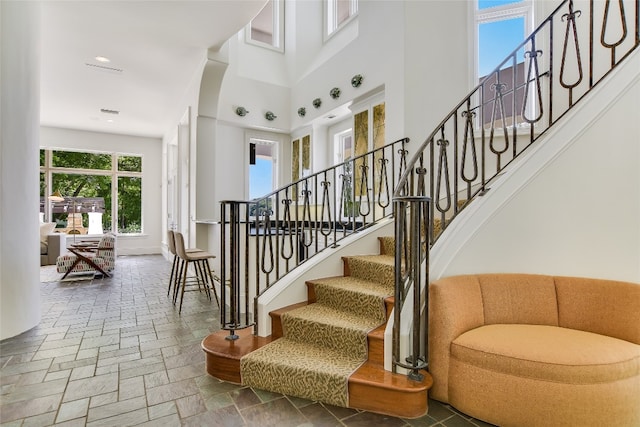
[324, 342]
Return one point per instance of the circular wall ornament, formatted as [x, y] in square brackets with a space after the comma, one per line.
[269, 115]
[241, 111]
[356, 80]
[302, 111]
[317, 102]
[335, 93]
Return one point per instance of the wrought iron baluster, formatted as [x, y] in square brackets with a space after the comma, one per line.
[605, 27]
[384, 182]
[498, 106]
[346, 209]
[469, 151]
[267, 244]
[533, 75]
[287, 235]
[306, 217]
[403, 167]
[443, 173]
[571, 27]
[326, 210]
[364, 186]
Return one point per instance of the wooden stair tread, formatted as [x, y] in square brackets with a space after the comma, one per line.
[371, 374]
[371, 388]
[222, 356]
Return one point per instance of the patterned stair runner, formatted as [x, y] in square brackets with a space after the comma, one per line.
[325, 342]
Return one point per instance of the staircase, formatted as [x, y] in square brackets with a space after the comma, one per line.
[330, 348]
[464, 157]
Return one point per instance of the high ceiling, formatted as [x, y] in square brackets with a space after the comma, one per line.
[154, 48]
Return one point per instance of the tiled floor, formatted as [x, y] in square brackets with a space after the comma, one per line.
[115, 352]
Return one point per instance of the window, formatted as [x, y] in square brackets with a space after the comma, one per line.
[267, 28]
[262, 167]
[106, 187]
[501, 26]
[337, 13]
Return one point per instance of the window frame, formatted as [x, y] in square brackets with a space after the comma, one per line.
[330, 17]
[522, 8]
[49, 170]
[278, 29]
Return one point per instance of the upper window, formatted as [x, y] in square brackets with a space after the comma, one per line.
[337, 14]
[267, 28]
[501, 25]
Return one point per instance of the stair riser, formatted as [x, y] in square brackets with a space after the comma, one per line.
[375, 272]
[380, 399]
[376, 351]
[329, 336]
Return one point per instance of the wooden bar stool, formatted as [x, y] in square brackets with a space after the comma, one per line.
[201, 265]
[176, 265]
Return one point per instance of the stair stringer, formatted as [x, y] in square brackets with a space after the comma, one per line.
[292, 288]
[478, 219]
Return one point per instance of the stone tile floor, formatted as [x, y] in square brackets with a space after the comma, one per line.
[115, 352]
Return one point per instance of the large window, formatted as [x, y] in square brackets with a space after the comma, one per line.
[337, 13]
[267, 28]
[103, 187]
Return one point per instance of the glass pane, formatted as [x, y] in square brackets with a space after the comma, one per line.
[485, 4]
[497, 40]
[342, 11]
[82, 194]
[306, 155]
[262, 25]
[43, 195]
[73, 159]
[41, 157]
[295, 161]
[129, 204]
[130, 163]
[261, 173]
[361, 137]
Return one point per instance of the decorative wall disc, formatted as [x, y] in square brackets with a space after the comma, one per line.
[302, 111]
[356, 80]
[335, 93]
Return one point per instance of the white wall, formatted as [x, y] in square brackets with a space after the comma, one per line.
[151, 151]
[438, 64]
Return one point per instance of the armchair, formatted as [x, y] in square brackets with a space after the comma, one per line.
[83, 258]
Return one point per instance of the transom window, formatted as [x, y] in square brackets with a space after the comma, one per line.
[267, 28]
[337, 14]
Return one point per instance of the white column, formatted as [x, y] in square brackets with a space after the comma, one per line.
[19, 160]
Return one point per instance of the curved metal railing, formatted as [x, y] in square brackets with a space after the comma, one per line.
[544, 77]
[265, 239]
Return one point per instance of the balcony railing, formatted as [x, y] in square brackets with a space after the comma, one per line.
[265, 239]
[554, 69]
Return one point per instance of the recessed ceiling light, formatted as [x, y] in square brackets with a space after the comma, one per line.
[110, 121]
[102, 59]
